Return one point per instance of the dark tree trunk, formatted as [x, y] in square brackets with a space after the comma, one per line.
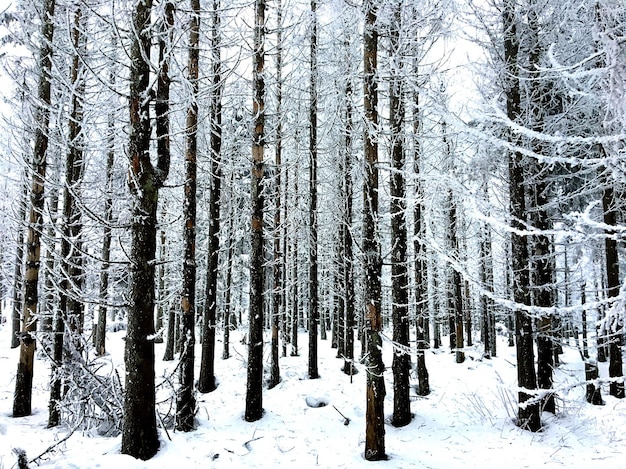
[170, 339]
[593, 393]
[162, 288]
[185, 400]
[139, 432]
[18, 270]
[421, 299]
[541, 259]
[313, 280]
[457, 297]
[229, 317]
[375, 392]
[529, 415]
[614, 325]
[100, 344]
[254, 386]
[295, 304]
[206, 382]
[347, 261]
[24, 378]
[278, 264]
[399, 270]
[70, 308]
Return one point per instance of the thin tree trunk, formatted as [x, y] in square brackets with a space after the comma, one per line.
[295, 304]
[375, 388]
[18, 270]
[313, 277]
[457, 296]
[228, 315]
[419, 252]
[70, 308]
[206, 382]
[254, 386]
[278, 256]
[185, 400]
[100, 344]
[24, 378]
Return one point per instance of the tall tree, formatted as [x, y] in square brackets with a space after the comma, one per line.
[538, 201]
[22, 400]
[313, 268]
[399, 267]
[185, 402]
[528, 413]
[277, 292]
[206, 381]
[254, 386]
[70, 307]
[18, 269]
[375, 392]
[421, 290]
[100, 343]
[139, 432]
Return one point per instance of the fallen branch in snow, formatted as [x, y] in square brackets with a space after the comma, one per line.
[247, 443]
[346, 420]
[53, 446]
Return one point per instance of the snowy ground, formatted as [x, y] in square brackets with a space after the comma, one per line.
[465, 422]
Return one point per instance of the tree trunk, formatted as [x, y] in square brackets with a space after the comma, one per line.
[229, 317]
[254, 386]
[206, 382]
[313, 280]
[399, 272]
[18, 270]
[278, 263]
[100, 344]
[70, 308]
[375, 392]
[24, 378]
[614, 325]
[421, 298]
[529, 416]
[457, 297]
[139, 432]
[185, 400]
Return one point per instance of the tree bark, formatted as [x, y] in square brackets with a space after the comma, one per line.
[254, 386]
[100, 344]
[421, 293]
[139, 432]
[614, 326]
[185, 400]
[18, 270]
[313, 280]
[24, 378]
[399, 269]
[70, 308]
[278, 263]
[206, 381]
[528, 414]
[375, 388]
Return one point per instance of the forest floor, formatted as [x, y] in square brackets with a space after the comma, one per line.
[466, 421]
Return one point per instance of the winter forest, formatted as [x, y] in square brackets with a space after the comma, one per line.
[316, 233]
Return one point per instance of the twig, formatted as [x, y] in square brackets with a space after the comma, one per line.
[62, 440]
[163, 425]
[346, 420]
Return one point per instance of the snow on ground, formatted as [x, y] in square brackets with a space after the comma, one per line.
[466, 421]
